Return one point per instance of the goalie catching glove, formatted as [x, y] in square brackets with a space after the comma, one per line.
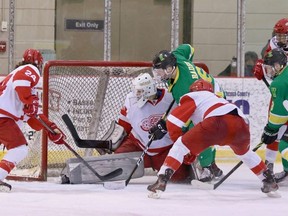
[158, 130]
[269, 135]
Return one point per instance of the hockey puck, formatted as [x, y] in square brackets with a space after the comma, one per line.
[114, 185]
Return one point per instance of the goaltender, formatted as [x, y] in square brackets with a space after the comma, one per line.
[143, 107]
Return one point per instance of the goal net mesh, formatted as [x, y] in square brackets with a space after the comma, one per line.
[92, 94]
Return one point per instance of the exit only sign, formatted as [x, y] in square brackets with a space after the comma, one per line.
[77, 24]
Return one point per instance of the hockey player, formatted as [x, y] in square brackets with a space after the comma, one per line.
[212, 117]
[275, 66]
[280, 40]
[177, 70]
[143, 107]
[19, 102]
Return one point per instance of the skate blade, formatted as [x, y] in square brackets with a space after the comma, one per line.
[155, 195]
[4, 189]
[283, 182]
[202, 185]
[216, 179]
[273, 194]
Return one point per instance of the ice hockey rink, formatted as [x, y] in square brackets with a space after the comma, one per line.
[239, 195]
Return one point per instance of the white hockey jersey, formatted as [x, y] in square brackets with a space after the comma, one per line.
[198, 106]
[273, 45]
[140, 120]
[16, 89]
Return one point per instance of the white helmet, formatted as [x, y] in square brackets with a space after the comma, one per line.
[143, 86]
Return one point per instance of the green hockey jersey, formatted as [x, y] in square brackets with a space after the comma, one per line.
[278, 115]
[187, 73]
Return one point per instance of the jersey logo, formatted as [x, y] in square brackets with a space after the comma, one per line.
[273, 92]
[147, 123]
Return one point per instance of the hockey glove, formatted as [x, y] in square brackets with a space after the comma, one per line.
[269, 135]
[32, 109]
[58, 137]
[258, 70]
[159, 130]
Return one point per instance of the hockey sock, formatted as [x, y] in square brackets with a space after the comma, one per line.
[272, 151]
[253, 162]
[5, 168]
[12, 158]
[207, 157]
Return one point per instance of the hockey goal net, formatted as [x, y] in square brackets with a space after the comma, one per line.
[91, 93]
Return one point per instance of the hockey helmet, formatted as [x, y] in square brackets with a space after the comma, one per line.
[274, 62]
[143, 87]
[164, 64]
[32, 56]
[281, 32]
[201, 85]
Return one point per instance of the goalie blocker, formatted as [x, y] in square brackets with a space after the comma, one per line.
[110, 141]
[115, 134]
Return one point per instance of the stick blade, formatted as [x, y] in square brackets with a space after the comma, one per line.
[202, 185]
[112, 174]
[274, 194]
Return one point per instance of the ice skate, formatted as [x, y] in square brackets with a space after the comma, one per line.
[5, 187]
[282, 177]
[210, 173]
[270, 186]
[160, 185]
[270, 166]
[217, 172]
[206, 175]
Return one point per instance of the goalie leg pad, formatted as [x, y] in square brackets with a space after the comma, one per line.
[80, 174]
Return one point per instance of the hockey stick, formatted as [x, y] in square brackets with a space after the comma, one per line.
[122, 184]
[106, 177]
[265, 81]
[106, 144]
[203, 185]
[139, 161]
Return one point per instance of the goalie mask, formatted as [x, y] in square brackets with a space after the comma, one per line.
[274, 62]
[281, 32]
[143, 88]
[164, 64]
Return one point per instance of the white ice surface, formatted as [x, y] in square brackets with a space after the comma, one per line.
[239, 195]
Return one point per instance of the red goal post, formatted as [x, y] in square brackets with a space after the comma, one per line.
[92, 94]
